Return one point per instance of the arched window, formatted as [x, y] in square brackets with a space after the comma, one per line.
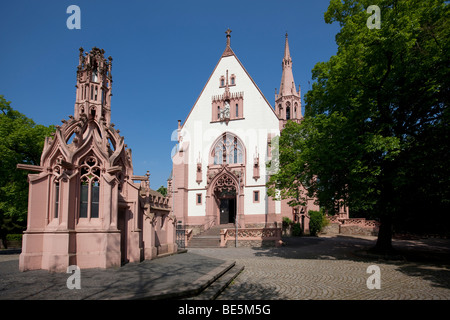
[56, 199]
[90, 188]
[288, 110]
[237, 110]
[95, 74]
[228, 150]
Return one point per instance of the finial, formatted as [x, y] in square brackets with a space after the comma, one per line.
[228, 51]
[228, 32]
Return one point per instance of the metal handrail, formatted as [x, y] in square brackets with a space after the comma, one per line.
[209, 224]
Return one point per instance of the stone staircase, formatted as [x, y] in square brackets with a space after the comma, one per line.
[221, 281]
[209, 238]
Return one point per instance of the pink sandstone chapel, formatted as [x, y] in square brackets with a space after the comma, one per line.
[84, 207]
[219, 168]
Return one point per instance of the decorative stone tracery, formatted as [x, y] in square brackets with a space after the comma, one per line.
[225, 184]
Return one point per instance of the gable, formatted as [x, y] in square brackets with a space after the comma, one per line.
[255, 103]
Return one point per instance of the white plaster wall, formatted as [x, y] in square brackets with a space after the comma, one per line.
[255, 207]
[259, 120]
[194, 208]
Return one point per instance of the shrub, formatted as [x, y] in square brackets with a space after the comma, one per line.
[297, 230]
[286, 222]
[316, 222]
[286, 226]
[14, 237]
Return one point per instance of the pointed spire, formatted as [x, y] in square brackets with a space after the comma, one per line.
[287, 54]
[228, 51]
[287, 86]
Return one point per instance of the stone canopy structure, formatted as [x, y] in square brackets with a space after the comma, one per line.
[86, 207]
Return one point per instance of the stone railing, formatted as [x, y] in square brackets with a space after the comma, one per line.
[188, 234]
[362, 222]
[338, 217]
[354, 221]
[354, 226]
[250, 237]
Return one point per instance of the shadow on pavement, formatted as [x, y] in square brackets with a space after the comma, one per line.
[428, 259]
[149, 278]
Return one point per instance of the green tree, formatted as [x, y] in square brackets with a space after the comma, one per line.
[375, 135]
[21, 141]
[162, 190]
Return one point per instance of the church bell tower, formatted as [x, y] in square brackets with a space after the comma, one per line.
[288, 103]
[94, 80]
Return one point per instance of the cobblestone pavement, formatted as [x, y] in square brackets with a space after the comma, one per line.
[335, 268]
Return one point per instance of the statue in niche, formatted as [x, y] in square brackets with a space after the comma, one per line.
[225, 112]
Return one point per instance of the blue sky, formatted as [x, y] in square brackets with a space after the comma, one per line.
[163, 53]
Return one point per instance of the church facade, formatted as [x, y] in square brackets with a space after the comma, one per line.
[86, 207]
[219, 165]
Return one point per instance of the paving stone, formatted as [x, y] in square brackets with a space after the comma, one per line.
[328, 269]
[313, 268]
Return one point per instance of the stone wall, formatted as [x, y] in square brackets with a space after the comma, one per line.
[13, 244]
[251, 243]
[358, 230]
[352, 226]
[333, 228]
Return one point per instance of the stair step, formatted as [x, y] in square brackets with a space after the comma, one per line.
[220, 284]
[204, 242]
[215, 230]
[209, 238]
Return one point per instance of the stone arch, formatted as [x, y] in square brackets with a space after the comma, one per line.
[225, 187]
[288, 110]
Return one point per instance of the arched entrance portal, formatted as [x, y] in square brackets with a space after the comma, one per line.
[225, 197]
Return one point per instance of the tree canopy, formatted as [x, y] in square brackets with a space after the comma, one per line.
[162, 190]
[376, 130]
[21, 141]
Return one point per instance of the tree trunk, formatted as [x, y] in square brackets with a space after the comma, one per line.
[4, 242]
[384, 241]
[385, 207]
